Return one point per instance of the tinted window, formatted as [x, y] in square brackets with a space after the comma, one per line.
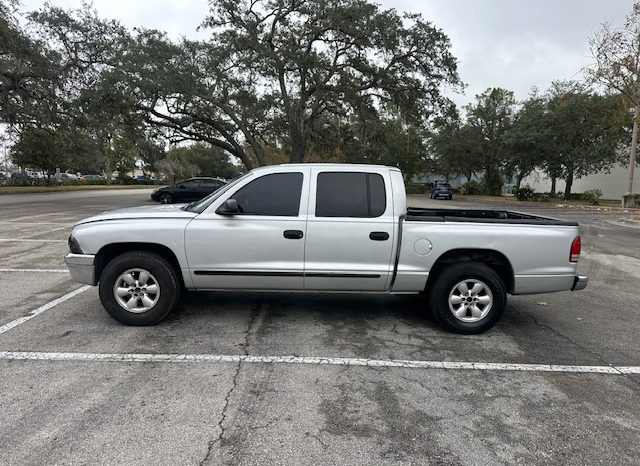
[275, 194]
[211, 184]
[190, 183]
[350, 195]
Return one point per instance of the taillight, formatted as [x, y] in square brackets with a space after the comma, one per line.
[576, 246]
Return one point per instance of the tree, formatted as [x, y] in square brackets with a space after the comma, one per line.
[375, 138]
[41, 149]
[274, 68]
[491, 117]
[528, 139]
[29, 73]
[586, 133]
[456, 148]
[197, 159]
[150, 153]
[617, 65]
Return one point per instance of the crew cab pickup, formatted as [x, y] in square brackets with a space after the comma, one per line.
[323, 228]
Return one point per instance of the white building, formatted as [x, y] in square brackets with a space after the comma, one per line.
[613, 184]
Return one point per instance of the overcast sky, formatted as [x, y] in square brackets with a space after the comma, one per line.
[515, 44]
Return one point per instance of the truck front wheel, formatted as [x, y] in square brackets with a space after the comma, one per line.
[139, 288]
[468, 298]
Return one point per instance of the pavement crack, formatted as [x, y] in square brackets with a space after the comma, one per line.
[570, 340]
[318, 439]
[234, 383]
[586, 350]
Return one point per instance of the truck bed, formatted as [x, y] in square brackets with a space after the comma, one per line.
[415, 214]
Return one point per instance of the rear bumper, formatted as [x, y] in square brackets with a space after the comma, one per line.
[81, 267]
[580, 282]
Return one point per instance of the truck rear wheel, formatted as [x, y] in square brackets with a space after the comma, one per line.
[139, 288]
[468, 298]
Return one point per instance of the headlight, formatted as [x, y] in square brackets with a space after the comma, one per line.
[74, 247]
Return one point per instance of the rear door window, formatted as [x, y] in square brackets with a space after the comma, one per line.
[350, 194]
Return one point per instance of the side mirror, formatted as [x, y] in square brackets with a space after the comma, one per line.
[181, 186]
[229, 207]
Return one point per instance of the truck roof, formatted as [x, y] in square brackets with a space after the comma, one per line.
[331, 165]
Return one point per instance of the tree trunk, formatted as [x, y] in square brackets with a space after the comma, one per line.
[298, 138]
[568, 183]
[553, 185]
[493, 183]
[488, 178]
[519, 179]
[632, 155]
[298, 149]
[107, 170]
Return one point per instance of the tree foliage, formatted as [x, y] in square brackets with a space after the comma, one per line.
[528, 141]
[272, 70]
[616, 53]
[480, 143]
[585, 131]
[41, 149]
[197, 159]
[569, 132]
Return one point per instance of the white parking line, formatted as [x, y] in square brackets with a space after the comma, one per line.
[41, 309]
[404, 364]
[31, 240]
[35, 223]
[36, 270]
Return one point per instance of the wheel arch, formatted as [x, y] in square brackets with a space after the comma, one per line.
[490, 257]
[113, 250]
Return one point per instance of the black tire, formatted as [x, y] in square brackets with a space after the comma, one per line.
[445, 285]
[160, 270]
[166, 198]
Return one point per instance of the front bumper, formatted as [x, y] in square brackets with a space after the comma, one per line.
[81, 267]
[580, 283]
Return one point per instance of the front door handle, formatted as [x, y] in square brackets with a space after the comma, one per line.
[293, 234]
[379, 235]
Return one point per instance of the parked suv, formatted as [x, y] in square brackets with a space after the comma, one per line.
[442, 190]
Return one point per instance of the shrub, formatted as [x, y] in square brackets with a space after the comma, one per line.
[524, 193]
[416, 189]
[472, 187]
[592, 196]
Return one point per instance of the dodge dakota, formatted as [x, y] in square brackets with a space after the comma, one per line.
[323, 228]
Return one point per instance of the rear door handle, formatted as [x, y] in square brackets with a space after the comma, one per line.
[293, 234]
[379, 235]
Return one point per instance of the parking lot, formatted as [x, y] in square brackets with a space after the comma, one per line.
[282, 378]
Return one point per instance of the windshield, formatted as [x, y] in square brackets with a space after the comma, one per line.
[199, 206]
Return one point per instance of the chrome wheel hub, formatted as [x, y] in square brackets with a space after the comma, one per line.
[136, 290]
[470, 300]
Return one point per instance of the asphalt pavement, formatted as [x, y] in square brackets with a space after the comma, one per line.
[282, 378]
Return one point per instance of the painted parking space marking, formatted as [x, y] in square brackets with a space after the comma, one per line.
[331, 361]
[35, 270]
[31, 240]
[45, 307]
[34, 223]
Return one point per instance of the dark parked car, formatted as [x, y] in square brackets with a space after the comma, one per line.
[442, 190]
[189, 190]
[19, 176]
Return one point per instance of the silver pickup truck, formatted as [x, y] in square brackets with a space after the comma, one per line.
[323, 227]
